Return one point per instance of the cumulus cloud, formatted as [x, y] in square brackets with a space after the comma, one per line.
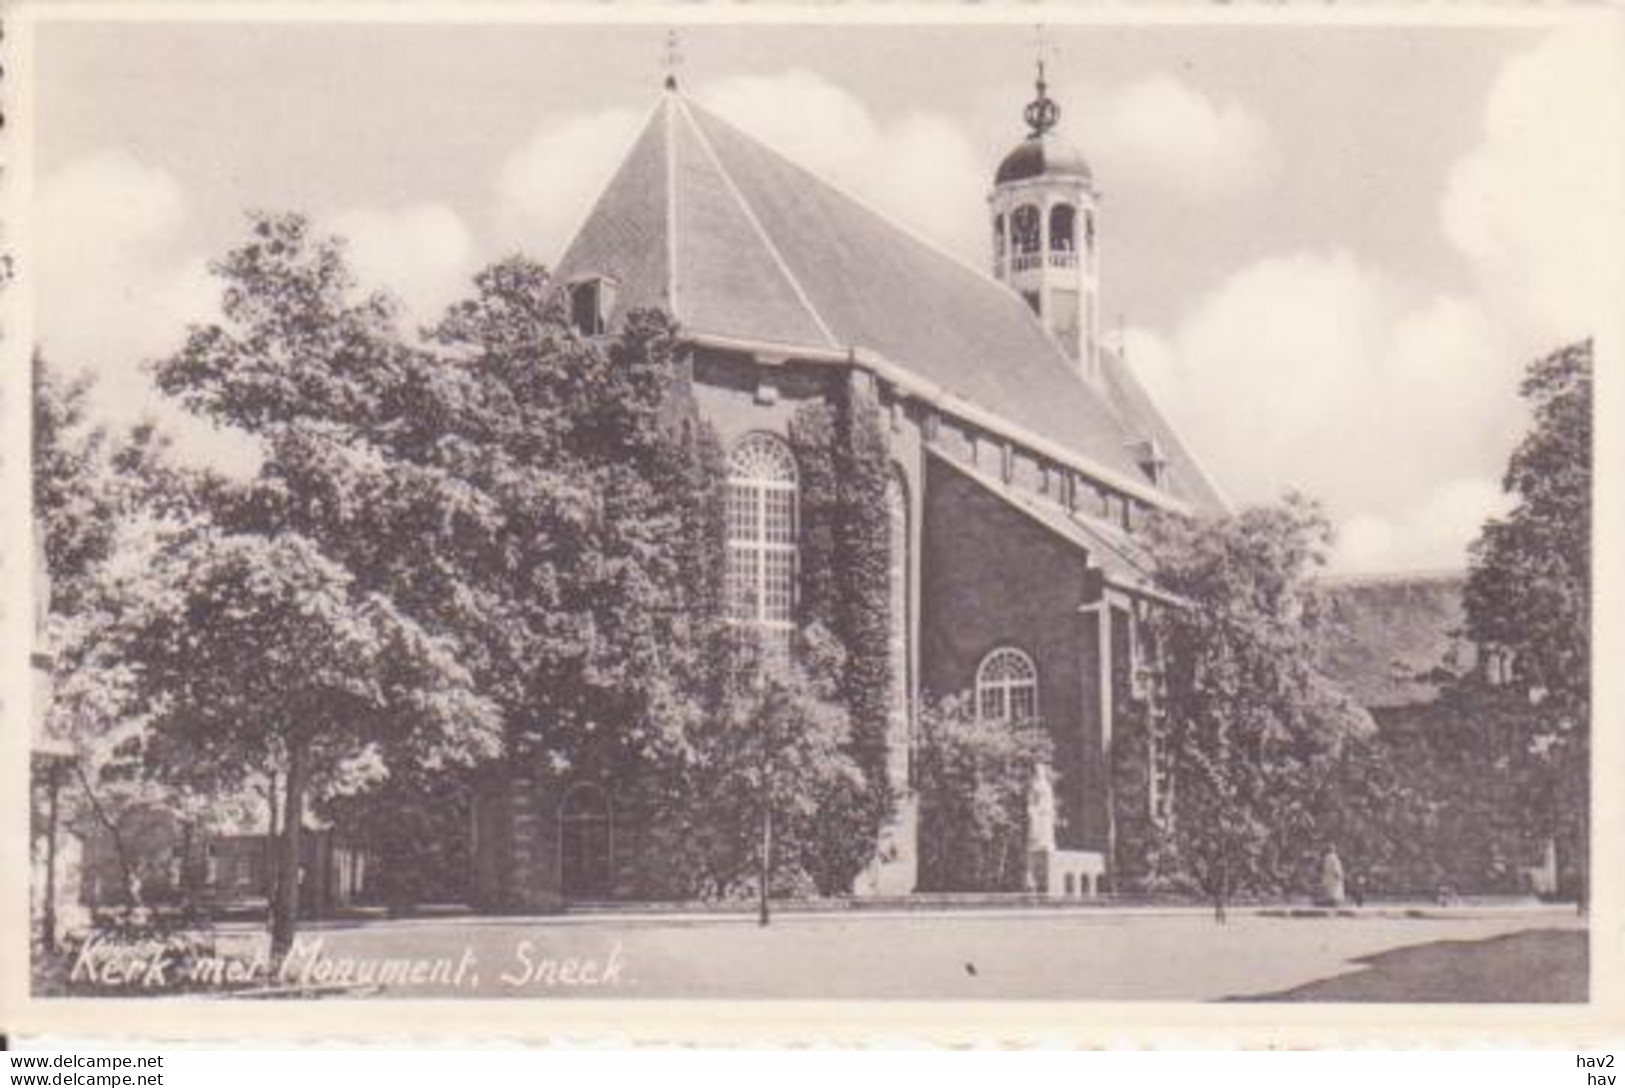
[112, 283]
[1162, 133]
[1535, 206]
[116, 286]
[423, 254]
[1318, 371]
[920, 169]
[546, 187]
[1399, 407]
[1429, 535]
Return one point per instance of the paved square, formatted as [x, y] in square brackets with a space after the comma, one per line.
[962, 955]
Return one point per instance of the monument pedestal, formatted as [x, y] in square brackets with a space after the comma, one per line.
[1066, 874]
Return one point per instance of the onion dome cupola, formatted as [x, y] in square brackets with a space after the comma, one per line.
[1043, 205]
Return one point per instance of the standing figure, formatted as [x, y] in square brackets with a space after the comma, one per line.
[1040, 811]
[1331, 878]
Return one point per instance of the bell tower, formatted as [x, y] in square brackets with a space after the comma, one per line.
[1043, 205]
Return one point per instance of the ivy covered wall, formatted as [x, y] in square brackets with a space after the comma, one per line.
[842, 456]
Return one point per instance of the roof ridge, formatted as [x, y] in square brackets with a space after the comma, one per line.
[896, 224]
[603, 190]
[671, 210]
[1338, 580]
[756, 225]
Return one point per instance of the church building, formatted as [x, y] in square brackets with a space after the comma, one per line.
[1024, 453]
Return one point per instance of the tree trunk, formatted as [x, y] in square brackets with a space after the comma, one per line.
[285, 904]
[132, 887]
[1221, 892]
[183, 876]
[269, 870]
[48, 914]
[765, 878]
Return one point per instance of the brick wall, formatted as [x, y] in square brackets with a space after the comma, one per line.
[991, 576]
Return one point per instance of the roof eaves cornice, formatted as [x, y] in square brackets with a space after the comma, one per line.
[935, 395]
[1092, 537]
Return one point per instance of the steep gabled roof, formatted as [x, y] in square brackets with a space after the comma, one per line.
[736, 241]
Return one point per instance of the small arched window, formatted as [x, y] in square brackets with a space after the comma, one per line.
[1025, 224]
[762, 532]
[1062, 217]
[1007, 686]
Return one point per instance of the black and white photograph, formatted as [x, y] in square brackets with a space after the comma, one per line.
[700, 505]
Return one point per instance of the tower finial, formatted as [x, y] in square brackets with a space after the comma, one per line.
[1042, 112]
[672, 60]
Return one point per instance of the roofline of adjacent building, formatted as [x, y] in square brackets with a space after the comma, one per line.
[937, 397]
[1395, 577]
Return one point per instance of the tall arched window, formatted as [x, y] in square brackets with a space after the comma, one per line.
[1061, 220]
[998, 235]
[1007, 686]
[1025, 235]
[901, 741]
[762, 533]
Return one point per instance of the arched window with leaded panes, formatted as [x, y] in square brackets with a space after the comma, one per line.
[1007, 686]
[762, 533]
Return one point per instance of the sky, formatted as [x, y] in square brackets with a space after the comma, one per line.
[1328, 251]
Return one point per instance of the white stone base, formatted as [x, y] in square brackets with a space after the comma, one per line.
[1067, 874]
[895, 869]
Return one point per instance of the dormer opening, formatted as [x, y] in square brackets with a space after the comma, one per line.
[1152, 460]
[592, 300]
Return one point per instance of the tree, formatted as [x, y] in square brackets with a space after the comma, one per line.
[261, 652]
[547, 503]
[769, 763]
[1253, 727]
[599, 585]
[297, 622]
[1528, 603]
[974, 776]
[97, 496]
